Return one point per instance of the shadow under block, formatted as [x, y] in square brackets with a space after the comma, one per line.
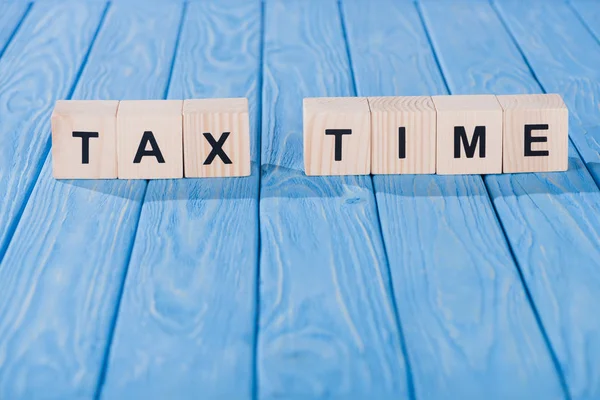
[150, 139]
[337, 136]
[84, 139]
[216, 138]
[536, 133]
[403, 134]
[469, 134]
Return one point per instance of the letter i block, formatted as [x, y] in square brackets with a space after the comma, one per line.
[216, 137]
[536, 133]
[84, 139]
[337, 136]
[469, 134]
[150, 139]
[402, 135]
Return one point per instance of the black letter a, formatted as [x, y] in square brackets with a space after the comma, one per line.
[154, 150]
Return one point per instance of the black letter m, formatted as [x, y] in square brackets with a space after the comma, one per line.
[460, 135]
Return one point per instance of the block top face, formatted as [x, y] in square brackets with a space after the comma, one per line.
[532, 102]
[153, 107]
[401, 104]
[478, 102]
[86, 107]
[339, 105]
[229, 105]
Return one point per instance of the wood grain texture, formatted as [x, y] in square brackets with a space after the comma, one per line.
[562, 249]
[225, 120]
[403, 134]
[589, 13]
[468, 112]
[63, 271]
[328, 154]
[155, 127]
[551, 219]
[464, 312]
[75, 153]
[542, 149]
[327, 325]
[12, 16]
[187, 317]
[37, 68]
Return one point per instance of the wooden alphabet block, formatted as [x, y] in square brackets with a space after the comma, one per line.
[150, 139]
[216, 137]
[337, 136]
[469, 134]
[403, 134]
[536, 133]
[84, 141]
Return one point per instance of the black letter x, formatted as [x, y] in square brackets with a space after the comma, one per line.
[217, 148]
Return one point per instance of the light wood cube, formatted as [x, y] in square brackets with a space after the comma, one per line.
[469, 134]
[403, 134]
[216, 137]
[536, 133]
[84, 138]
[150, 139]
[337, 136]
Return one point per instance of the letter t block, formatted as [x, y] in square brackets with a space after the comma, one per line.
[337, 136]
[84, 141]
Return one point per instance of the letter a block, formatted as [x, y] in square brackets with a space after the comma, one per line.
[150, 139]
[337, 136]
[536, 133]
[216, 137]
[84, 138]
[402, 135]
[469, 134]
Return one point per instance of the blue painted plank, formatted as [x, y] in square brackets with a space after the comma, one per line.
[63, 270]
[588, 11]
[466, 317]
[37, 67]
[563, 274]
[12, 16]
[187, 317]
[327, 324]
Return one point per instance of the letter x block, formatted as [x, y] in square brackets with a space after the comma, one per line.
[84, 142]
[150, 139]
[337, 136]
[469, 134]
[216, 137]
[536, 133]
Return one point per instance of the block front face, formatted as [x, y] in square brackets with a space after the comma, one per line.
[536, 133]
[403, 135]
[469, 134]
[150, 139]
[337, 136]
[84, 139]
[216, 138]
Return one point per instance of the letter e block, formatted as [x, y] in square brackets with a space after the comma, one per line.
[84, 139]
[469, 134]
[337, 136]
[216, 137]
[402, 135]
[536, 133]
[150, 139]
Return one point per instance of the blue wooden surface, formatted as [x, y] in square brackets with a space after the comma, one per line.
[279, 285]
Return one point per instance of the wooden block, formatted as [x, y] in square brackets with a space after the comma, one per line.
[337, 136]
[216, 137]
[469, 134]
[84, 139]
[402, 135]
[536, 133]
[150, 139]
